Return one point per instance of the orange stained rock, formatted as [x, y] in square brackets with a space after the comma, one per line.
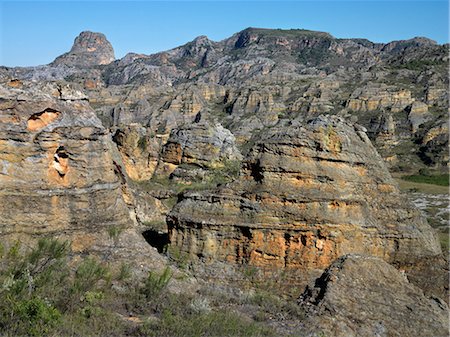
[15, 83]
[58, 166]
[42, 119]
[386, 188]
[82, 243]
[90, 84]
[173, 153]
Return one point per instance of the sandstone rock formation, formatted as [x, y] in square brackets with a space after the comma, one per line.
[89, 49]
[258, 78]
[58, 177]
[201, 146]
[307, 195]
[364, 296]
[233, 133]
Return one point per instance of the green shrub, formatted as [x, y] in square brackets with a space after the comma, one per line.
[88, 273]
[178, 257]
[142, 143]
[34, 317]
[155, 283]
[124, 272]
[114, 233]
[226, 173]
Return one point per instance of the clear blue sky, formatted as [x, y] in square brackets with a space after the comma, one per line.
[35, 32]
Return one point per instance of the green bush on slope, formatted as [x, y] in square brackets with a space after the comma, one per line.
[44, 294]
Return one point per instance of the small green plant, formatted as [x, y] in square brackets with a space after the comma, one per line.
[178, 257]
[35, 316]
[142, 143]
[124, 272]
[88, 273]
[225, 173]
[155, 283]
[114, 233]
[92, 301]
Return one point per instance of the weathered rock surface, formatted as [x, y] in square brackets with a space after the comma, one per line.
[365, 296]
[259, 78]
[307, 195]
[89, 49]
[299, 191]
[139, 151]
[57, 174]
[200, 147]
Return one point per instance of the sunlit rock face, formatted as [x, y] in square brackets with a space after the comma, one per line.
[307, 194]
[57, 173]
[89, 49]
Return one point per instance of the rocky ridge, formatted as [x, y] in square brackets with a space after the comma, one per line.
[260, 77]
[256, 148]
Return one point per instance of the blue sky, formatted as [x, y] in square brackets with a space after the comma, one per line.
[35, 32]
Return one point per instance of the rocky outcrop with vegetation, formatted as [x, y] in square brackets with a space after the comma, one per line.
[252, 165]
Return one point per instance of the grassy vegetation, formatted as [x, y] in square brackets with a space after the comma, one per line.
[44, 294]
[441, 180]
[444, 239]
[419, 65]
[430, 186]
[204, 324]
[225, 172]
[407, 186]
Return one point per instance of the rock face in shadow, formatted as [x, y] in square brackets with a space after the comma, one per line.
[89, 49]
[365, 296]
[307, 194]
[57, 173]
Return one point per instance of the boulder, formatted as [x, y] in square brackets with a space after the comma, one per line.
[365, 296]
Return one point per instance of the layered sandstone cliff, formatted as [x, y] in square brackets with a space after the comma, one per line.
[57, 173]
[307, 195]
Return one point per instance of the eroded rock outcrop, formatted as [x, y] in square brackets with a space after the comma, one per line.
[307, 195]
[365, 296]
[260, 77]
[89, 49]
[198, 147]
[57, 174]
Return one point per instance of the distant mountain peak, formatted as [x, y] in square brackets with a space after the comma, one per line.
[202, 39]
[89, 49]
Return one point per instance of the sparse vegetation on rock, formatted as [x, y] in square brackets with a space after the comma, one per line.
[201, 189]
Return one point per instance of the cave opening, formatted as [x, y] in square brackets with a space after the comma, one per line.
[156, 239]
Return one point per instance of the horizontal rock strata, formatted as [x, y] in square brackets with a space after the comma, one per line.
[57, 175]
[307, 195]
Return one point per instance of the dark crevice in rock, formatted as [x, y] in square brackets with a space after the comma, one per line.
[256, 171]
[246, 232]
[321, 285]
[156, 239]
[119, 173]
[61, 161]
